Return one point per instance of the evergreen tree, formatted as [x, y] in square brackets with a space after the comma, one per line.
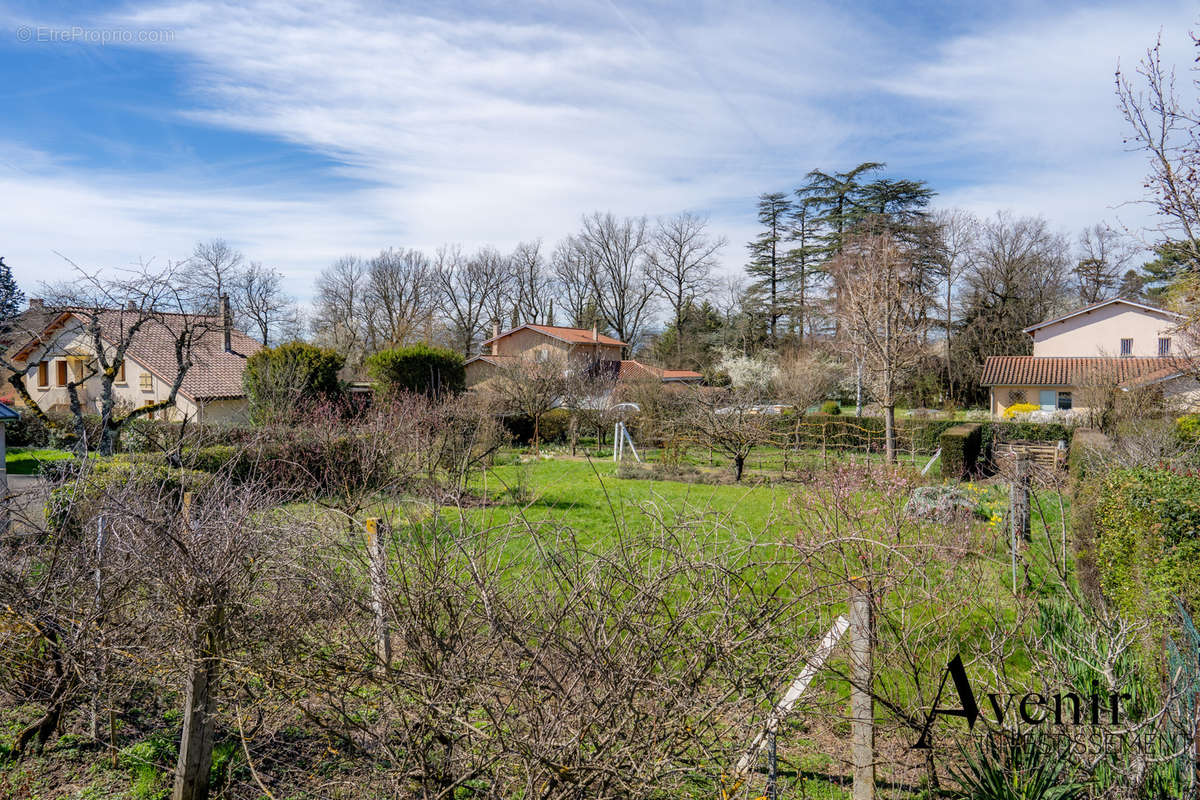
[12, 299]
[769, 260]
[1165, 271]
[804, 266]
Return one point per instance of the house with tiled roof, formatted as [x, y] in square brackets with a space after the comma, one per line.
[55, 348]
[1117, 344]
[578, 348]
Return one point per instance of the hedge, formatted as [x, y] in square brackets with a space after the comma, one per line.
[73, 502]
[961, 446]
[418, 368]
[1147, 539]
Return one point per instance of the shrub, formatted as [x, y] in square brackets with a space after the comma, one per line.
[76, 500]
[1087, 446]
[831, 407]
[418, 368]
[282, 380]
[961, 446]
[1147, 538]
[1019, 408]
[552, 429]
[1187, 428]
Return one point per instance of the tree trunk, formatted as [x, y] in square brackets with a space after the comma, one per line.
[858, 388]
[537, 451]
[573, 425]
[196, 745]
[739, 463]
[889, 432]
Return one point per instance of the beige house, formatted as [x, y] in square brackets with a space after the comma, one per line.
[1116, 343]
[55, 348]
[578, 348]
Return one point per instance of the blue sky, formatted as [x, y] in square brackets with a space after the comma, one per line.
[301, 132]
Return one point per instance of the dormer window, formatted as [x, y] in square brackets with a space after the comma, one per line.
[1164, 345]
[1127, 347]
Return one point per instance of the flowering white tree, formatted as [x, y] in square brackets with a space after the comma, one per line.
[749, 373]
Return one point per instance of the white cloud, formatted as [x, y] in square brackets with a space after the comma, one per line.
[508, 123]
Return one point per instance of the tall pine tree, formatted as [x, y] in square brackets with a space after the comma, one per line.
[12, 299]
[769, 258]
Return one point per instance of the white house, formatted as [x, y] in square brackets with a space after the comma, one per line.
[1118, 343]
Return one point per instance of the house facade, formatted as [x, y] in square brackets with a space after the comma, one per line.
[1115, 344]
[55, 349]
[578, 348]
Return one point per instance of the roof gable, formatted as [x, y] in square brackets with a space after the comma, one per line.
[1103, 304]
[569, 335]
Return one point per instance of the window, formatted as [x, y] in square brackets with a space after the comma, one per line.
[43, 374]
[1127, 347]
[1047, 399]
[1016, 396]
[1064, 401]
[1164, 346]
[121, 372]
[61, 366]
[147, 382]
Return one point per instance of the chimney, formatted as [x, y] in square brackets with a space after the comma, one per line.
[131, 305]
[495, 338]
[37, 302]
[595, 333]
[227, 323]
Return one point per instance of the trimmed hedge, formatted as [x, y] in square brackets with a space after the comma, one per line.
[961, 446]
[1146, 525]
[418, 368]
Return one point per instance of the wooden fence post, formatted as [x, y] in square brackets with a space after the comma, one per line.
[1020, 494]
[378, 572]
[862, 703]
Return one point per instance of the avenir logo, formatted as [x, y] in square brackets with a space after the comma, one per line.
[1033, 708]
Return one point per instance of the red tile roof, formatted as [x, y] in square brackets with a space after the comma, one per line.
[572, 335]
[1056, 371]
[214, 373]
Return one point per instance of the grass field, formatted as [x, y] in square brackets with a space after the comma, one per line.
[28, 461]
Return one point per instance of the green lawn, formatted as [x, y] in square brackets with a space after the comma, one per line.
[28, 461]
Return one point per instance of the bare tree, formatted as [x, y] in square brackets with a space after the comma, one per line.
[616, 252]
[400, 296]
[681, 257]
[728, 420]
[212, 272]
[1168, 132]
[570, 265]
[466, 287]
[341, 307]
[957, 232]
[533, 297]
[531, 387]
[876, 308]
[501, 303]
[258, 298]
[1104, 257]
[805, 379]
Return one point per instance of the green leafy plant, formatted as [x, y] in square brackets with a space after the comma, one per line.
[1016, 767]
[419, 369]
[831, 407]
[282, 380]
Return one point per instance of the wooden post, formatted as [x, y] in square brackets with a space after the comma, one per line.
[862, 703]
[5, 517]
[200, 701]
[98, 599]
[378, 571]
[1020, 494]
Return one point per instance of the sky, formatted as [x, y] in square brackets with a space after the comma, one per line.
[302, 132]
